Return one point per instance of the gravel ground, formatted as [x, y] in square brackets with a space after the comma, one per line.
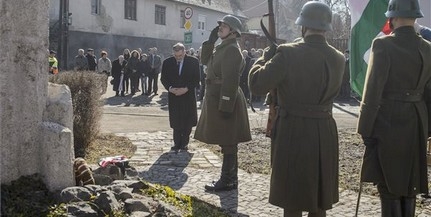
[254, 157]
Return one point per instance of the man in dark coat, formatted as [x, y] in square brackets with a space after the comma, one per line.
[224, 117]
[91, 59]
[395, 112]
[118, 68]
[180, 76]
[307, 75]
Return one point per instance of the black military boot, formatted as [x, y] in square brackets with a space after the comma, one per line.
[319, 213]
[408, 206]
[227, 180]
[391, 207]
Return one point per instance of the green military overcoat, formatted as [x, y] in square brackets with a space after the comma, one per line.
[307, 76]
[224, 117]
[395, 112]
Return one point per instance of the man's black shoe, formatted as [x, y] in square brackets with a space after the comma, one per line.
[220, 186]
[175, 148]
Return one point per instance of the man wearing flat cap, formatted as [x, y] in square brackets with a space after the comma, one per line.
[91, 58]
[180, 76]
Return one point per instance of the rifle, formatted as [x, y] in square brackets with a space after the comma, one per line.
[270, 35]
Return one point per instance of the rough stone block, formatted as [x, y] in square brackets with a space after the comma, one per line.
[59, 107]
[57, 156]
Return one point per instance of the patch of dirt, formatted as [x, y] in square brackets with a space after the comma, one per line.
[106, 145]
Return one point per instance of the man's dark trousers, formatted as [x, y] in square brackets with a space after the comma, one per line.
[182, 137]
[152, 82]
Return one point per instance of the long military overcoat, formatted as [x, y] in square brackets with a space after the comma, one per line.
[307, 76]
[182, 109]
[222, 94]
[394, 111]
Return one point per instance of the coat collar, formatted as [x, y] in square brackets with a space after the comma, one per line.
[320, 39]
[405, 30]
[226, 42]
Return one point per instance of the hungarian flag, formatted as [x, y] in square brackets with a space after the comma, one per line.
[368, 22]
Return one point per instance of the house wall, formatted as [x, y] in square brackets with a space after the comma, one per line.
[110, 31]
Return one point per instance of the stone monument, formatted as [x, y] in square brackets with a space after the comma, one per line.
[36, 119]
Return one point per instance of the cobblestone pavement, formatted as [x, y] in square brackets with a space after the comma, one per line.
[188, 172]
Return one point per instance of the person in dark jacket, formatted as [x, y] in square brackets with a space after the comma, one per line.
[132, 70]
[118, 67]
[180, 76]
[243, 81]
[307, 76]
[144, 70]
[395, 112]
[126, 54]
[91, 59]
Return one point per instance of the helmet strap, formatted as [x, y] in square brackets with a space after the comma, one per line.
[228, 35]
[391, 26]
[303, 31]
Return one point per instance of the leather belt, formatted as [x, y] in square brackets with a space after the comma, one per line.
[404, 95]
[305, 110]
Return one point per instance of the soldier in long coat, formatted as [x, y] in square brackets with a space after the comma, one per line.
[224, 117]
[307, 75]
[180, 76]
[394, 117]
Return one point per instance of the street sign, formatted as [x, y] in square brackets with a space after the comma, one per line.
[188, 37]
[188, 12]
[188, 25]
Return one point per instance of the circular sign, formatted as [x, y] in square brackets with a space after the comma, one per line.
[188, 12]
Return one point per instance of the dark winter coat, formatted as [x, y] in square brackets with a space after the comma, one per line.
[182, 109]
[307, 75]
[224, 117]
[117, 70]
[144, 67]
[92, 62]
[394, 111]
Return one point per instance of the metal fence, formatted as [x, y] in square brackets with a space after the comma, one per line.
[341, 44]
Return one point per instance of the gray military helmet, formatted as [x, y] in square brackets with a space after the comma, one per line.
[404, 8]
[315, 15]
[233, 22]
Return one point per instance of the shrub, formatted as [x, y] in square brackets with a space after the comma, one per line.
[85, 88]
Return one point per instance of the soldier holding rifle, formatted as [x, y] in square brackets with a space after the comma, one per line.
[307, 75]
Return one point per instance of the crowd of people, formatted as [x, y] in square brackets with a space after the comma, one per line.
[135, 71]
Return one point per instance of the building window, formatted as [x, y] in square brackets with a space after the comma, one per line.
[95, 6]
[160, 15]
[201, 22]
[130, 9]
[182, 19]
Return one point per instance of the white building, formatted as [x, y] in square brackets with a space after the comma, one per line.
[113, 25]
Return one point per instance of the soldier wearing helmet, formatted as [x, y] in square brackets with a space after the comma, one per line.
[224, 117]
[307, 75]
[394, 118]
